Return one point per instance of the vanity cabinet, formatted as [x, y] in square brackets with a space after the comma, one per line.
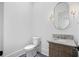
[60, 50]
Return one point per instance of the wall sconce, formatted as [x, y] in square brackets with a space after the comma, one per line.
[51, 16]
[74, 9]
[74, 12]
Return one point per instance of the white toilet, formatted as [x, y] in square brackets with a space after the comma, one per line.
[31, 50]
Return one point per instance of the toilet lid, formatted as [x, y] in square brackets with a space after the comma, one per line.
[29, 47]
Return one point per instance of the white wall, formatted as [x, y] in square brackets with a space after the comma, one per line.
[20, 25]
[44, 28]
[1, 26]
[41, 25]
[17, 26]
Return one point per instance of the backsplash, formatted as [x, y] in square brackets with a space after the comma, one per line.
[63, 36]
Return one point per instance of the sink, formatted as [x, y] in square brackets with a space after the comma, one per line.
[60, 40]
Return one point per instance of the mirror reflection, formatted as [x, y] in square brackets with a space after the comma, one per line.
[61, 15]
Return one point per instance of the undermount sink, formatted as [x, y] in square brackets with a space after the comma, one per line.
[61, 40]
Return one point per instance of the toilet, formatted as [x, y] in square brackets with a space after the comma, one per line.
[32, 49]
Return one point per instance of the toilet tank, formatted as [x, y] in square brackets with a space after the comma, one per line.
[36, 40]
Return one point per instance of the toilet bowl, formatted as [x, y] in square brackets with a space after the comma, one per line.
[31, 50]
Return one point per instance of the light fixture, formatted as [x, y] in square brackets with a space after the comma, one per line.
[74, 9]
[74, 12]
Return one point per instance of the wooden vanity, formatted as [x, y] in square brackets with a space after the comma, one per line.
[60, 50]
[62, 45]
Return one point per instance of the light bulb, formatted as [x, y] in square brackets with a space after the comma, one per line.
[73, 12]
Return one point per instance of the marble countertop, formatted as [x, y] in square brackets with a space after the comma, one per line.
[67, 42]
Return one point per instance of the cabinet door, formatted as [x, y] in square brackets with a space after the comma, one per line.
[60, 53]
[67, 51]
[53, 50]
[58, 50]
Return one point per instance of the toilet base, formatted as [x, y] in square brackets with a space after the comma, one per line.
[31, 53]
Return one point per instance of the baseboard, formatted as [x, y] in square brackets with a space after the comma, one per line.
[16, 53]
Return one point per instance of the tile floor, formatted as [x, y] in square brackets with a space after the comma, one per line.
[38, 55]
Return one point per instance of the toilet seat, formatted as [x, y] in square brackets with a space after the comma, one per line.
[30, 47]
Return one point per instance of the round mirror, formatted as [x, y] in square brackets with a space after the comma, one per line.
[61, 15]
